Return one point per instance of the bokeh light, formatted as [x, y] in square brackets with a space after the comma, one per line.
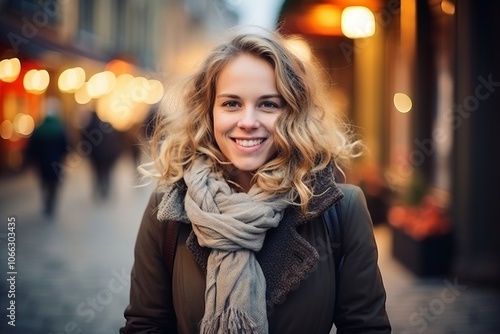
[23, 124]
[358, 22]
[101, 83]
[71, 79]
[402, 102]
[36, 81]
[10, 69]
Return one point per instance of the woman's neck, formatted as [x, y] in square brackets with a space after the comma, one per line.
[242, 180]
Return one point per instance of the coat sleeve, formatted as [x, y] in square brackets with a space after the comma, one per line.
[150, 309]
[360, 302]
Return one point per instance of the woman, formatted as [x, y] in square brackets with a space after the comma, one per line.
[246, 155]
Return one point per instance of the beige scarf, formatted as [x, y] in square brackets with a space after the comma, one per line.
[234, 226]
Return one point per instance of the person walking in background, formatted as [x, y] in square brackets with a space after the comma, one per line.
[106, 148]
[245, 157]
[46, 151]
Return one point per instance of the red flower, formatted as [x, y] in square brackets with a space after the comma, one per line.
[425, 220]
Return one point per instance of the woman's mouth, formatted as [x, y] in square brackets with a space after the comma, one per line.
[249, 142]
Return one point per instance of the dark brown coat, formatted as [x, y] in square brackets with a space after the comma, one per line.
[296, 260]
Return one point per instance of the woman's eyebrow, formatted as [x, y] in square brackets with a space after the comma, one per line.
[271, 96]
[232, 96]
[263, 97]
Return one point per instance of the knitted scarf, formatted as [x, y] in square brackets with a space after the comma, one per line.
[233, 225]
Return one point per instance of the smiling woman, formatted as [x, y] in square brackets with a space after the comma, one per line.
[245, 111]
[246, 153]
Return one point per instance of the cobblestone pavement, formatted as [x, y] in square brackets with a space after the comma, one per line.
[73, 270]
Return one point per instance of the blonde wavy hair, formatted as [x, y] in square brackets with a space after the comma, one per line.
[309, 135]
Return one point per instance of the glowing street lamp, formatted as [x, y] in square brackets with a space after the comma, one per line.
[357, 22]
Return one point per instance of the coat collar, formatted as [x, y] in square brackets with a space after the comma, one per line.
[326, 193]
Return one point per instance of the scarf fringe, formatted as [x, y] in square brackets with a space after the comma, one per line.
[231, 321]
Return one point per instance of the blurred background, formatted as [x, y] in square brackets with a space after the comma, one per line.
[81, 80]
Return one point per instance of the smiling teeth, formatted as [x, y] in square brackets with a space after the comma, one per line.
[249, 143]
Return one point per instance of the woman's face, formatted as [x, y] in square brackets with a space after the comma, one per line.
[246, 107]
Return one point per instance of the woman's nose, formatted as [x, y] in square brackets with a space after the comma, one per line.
[249, 119]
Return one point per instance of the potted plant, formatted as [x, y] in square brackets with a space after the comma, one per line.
[422, 231]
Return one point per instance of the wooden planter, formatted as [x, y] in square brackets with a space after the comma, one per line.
[430, 256]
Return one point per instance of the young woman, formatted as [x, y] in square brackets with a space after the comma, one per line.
[246, 155]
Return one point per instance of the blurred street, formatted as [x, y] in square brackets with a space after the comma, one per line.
[73, 271]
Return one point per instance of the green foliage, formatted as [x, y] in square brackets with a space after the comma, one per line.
[416, 189]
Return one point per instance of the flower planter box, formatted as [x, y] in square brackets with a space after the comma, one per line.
[430, 256]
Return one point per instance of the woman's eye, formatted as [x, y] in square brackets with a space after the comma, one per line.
[230, 104]
[269, 105]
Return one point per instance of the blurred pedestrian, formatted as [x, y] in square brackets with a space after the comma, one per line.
[46, 150]
[138, 137]
[106, 147]
[246, 175]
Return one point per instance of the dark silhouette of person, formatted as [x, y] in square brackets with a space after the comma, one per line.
[47, 149]
[140, 134]
[106, 147]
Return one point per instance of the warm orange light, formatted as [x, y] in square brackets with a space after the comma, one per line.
[36, 81]
[119, 67]
[139, 89]
[101, 83]
[358, 22]
[448, 7]
[23, 124]
[81, 95]
[9, 69]
[6, 129]
[71, 79]
[126, 104]
[155, 92]
[322, 19]
[402, 102]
